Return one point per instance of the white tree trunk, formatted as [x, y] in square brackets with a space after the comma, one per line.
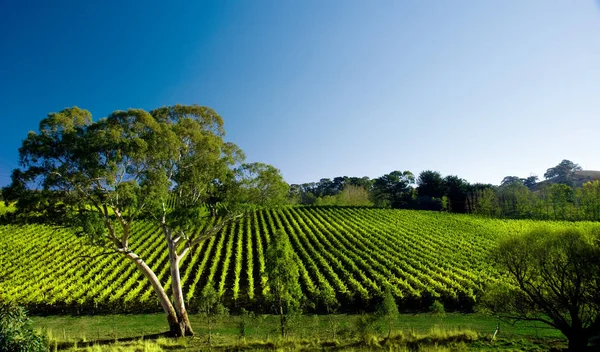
[178, 301]
[172, 316]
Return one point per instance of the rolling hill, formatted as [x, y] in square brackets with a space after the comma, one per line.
[423, 256]
[578, 178]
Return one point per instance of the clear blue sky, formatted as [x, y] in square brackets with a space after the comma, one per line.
[478, 89]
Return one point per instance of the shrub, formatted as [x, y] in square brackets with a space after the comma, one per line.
[364, 327]
[437, 308]
[387, 310]
[244, 321]
[16, 333]
[211, 308]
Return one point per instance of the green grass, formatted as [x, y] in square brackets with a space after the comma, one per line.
[310, 331]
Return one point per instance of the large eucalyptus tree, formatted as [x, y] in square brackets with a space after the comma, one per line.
[171, 165]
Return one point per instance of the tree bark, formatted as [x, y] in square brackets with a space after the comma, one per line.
[175, 328]
[281, 318]
[178, 301]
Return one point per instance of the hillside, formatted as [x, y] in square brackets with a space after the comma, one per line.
[424, 256]
[579, 178]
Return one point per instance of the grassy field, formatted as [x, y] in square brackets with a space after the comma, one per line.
[311, 332]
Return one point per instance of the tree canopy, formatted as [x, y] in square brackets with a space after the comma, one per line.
[431, 184]
[261, 184]
[563, 172]
[456, 191]
[283, 277]
[555, 280]
[170, 165]
[393, 189]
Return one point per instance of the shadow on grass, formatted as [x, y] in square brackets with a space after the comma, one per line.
[63, 345]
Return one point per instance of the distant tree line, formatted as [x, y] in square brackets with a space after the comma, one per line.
[556, 198]
[397, 189]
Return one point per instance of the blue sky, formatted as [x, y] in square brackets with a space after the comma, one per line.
[478, 89]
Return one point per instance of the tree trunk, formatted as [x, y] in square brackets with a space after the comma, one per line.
[577, 344]
[578, 340]
[178, 301]
[175, 328]
[281, 319]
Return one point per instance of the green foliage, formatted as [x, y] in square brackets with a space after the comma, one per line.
[103, 176]
[210, 304]
[530, 181]
[285, 293]
[560, 196]
[326, 297]
[350, 195]
[92, 227]
[503, 298]
[261, 184]
[555, 201]
[365, 327]
[437, 308]
[430, 184]
[211, 308]
[510, 180]
[128, 164]
[589, 199]
[16, 333]
[526, 198]
[515, 200]
[344, 256]
[484, 202]
[563, 172]
[244, 321]
[555, 277]
[387, 310]
[339, 191]
[393, 189]
[456, 193]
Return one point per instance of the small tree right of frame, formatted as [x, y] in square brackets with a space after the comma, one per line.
[554, 279]
[285, 294]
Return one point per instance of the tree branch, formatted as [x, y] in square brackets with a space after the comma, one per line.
[516, 318]
[191, 242]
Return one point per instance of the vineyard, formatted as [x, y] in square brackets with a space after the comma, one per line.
[423, 256]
